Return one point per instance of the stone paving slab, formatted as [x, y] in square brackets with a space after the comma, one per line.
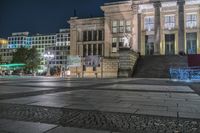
[151, 103]
[123, 96]
[8, 90]
[19, 101]
[149, 87]
[50, 104]
[10, 126]
[157, 113]
[74, 130]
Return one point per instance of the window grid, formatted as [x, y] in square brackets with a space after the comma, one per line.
[191, 20]
[149, 23]
[169, 22]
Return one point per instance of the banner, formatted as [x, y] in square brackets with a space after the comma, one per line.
[73, 61]
[92, 61]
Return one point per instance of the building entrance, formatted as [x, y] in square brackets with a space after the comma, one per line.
[170, 44]
[149, 45]
[191, 43]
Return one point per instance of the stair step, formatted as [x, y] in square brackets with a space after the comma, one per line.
[157, 66]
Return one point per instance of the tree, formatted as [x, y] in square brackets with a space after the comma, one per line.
[33, 59]
[30, 57]
[1, 58]
[20, 56]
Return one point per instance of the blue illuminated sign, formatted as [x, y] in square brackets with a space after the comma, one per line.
[185, 73]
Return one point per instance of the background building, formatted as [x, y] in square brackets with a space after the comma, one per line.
[41, 42]
[20, 39]
[58, 42]
[3, 43]
[60, 50]
[158, 27]
[4, 52]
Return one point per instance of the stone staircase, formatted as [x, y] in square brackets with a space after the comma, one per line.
[158, 66]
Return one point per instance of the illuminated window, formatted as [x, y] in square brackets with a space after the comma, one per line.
[191, 20]
[149, 23]
[121, 26]
[170, 22]
[128, 26]
[114, 27]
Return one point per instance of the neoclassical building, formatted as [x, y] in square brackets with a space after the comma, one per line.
[154, 27]
[163, 27]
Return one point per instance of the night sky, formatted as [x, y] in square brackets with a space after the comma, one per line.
[43, 16]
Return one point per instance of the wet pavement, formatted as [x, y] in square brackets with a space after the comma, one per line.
[98, 105]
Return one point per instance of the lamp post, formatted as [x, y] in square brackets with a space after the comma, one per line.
[48, 56]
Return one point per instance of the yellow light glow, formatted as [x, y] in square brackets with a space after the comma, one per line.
[3, 42]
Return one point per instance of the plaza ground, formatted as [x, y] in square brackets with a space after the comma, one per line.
[52, 105]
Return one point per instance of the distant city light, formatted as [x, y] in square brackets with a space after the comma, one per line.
[12, 65]
[48, 55]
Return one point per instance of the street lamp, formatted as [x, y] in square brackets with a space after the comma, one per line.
[48, 56]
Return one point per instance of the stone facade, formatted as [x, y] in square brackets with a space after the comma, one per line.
[107, 69]
[156, 27]
[127, 61]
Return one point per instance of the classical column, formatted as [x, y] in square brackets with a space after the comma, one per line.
[181, 31]
[157, 6]
[136, 30]
[139, 32]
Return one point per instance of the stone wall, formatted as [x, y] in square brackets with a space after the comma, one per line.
[127, 62]
[108, 69]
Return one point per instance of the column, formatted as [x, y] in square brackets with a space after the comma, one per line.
[139, 32]
[136, 30]
[157, 6]
[107, 36]
[181, 31]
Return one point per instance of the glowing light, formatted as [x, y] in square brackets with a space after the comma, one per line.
[12, 65]
[48, 55]
[187, 74]
[3, 41]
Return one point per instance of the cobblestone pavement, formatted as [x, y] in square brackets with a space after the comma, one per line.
[123, 122]
[116, 105]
